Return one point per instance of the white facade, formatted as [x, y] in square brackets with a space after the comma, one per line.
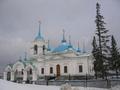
[62, 61]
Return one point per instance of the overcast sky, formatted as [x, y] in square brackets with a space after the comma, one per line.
[19, 23]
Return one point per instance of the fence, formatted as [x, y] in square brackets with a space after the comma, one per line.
[83, 83]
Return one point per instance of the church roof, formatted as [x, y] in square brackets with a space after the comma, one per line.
[63, 47]
[78, 50]
[39, 37]
[11, 65]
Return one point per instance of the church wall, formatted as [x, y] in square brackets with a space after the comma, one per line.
[72, 66]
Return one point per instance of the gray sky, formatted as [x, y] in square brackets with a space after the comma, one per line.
[19, 23]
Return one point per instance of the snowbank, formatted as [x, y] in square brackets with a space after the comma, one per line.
[7, 85]
[116, 87]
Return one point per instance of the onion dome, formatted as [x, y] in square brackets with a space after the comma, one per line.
[62, 47]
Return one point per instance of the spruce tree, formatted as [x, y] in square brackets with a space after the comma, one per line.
[102, 39]
[115, 56]
[95, 52]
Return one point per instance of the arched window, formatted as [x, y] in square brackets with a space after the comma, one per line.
[22, 72]
[30, 71]
[51, 70]
[65, 69]
[35, 49]
[44, 49]
[42, 70]
[16, 72]
[80, 68]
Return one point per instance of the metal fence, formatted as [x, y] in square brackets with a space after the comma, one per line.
[83, 83]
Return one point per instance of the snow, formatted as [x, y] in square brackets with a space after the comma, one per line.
[7, 85]
[116, 87]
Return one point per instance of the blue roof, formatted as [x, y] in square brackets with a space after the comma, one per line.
[62, 47]
[78, 50]
[48, 49]
[39, 38]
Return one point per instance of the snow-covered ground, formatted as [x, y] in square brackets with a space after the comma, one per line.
[7, 85]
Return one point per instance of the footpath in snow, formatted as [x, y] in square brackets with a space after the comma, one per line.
[7, 85]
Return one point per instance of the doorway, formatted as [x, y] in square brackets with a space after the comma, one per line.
[58, 70]
[8, 76]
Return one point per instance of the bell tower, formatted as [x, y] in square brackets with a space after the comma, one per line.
[39, 44]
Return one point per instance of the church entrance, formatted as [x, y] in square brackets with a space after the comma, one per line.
[8, 76]
[58, 70]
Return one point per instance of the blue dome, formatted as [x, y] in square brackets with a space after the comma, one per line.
[62, 47]
[78, 50]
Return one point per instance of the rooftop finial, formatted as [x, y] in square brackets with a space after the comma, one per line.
[39, 33]
[48, 49]
[70, 45]
[25, 56]
[63, 36]
[20, 58]
[84, 47]
[69, 39]
[78, 50]
[39, 36]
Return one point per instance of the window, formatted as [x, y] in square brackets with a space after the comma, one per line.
[16, 72]
[65, 69]
[51, 70]
[80, 68]
[35, 49]
[44, 49]
[22, 71]
[30, 71]
[42, 70]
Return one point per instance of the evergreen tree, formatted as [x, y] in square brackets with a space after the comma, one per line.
[101, 55]
[95, 52]
[115, 56]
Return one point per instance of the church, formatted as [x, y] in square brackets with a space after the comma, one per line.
[62, 62]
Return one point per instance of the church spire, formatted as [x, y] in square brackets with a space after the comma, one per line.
[63, 36]
[48, 49]
[39, 33]
[25, 58]
[70, 45]
[78, 50]
[39, 36]
[20, 58]
[84, 47]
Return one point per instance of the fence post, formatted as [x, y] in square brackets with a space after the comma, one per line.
[86, 79]
[69, 77]
[108, 83]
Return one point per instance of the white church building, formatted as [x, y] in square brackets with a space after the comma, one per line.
[61, 62]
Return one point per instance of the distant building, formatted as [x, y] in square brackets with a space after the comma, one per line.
[62, 62]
